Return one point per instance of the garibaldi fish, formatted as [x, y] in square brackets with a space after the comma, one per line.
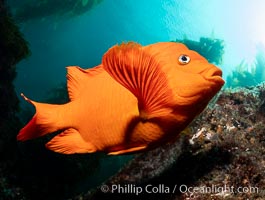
[138, 98]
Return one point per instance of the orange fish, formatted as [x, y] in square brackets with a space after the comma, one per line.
[138, 98]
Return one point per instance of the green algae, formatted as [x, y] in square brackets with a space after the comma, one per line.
[246, 75]
[212, 49]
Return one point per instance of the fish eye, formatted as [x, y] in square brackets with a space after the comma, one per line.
[184, 59]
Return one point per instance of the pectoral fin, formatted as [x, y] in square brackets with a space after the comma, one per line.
[70, 142]
[140, 72]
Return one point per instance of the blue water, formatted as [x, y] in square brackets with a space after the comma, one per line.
[57, 41]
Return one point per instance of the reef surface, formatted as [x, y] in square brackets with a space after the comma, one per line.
[13, 48]
[220, 156]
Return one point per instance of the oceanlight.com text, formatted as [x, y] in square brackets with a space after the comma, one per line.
[164, 189]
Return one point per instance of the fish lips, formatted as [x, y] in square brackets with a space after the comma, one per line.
[210, 82]
[214, 75]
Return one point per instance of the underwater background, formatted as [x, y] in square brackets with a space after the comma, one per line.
[59, 38]
[40, 38]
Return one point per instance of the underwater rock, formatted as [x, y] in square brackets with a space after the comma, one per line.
[149, 165]
[225, 154]
[34, 9]
[13, 48]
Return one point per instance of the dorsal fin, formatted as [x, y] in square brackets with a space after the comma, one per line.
[76, 79]
[140, 72]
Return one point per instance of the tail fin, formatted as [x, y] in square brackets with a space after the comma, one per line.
[43, 122]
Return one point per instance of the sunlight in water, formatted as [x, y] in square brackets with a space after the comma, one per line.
[240, 23]
[254, 28]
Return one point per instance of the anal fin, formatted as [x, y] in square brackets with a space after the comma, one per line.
[70, 142]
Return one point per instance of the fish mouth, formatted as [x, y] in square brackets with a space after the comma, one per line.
[210, 82]
[214, 72]
[214, 75]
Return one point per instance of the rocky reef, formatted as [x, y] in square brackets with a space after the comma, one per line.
[13, 48]
[220, 156]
